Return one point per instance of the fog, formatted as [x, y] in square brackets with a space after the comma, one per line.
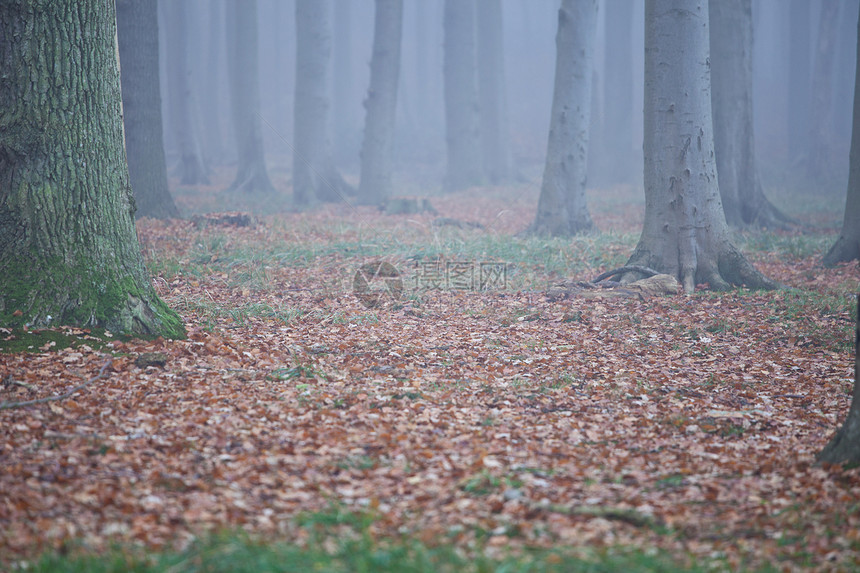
[803, 70]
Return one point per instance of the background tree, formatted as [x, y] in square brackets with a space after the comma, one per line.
[562, 208]
[462, 121]
[617, 162]
[685, 232]
[496, 148]
[68, 247]
[799, 74]
[731, 41]
[137, 35]
[820, 147]
[377, 150]
[251, 174]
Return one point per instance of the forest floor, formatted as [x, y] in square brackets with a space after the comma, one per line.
[494, 420]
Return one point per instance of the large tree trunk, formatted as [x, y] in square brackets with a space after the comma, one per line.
[562, 209]
[844, 447]
[617, 165]
[192, 167]
[685, 232]
[314, 175]
[68, 248]
[251, 174]
[819, 163]
[377, 151]
[847, 246]
[137, 34]
[731, 40]
[491, 89]
[462, 122]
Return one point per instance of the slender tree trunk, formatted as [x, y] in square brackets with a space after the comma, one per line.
[137, 34]
[617, 149]
[378, 148]
[685, 232]
[800, 48]
[820, 148]
[251, 174]
[562, 208]
[192, 168]
[847, 246]
[496, 149]
[731, 41]
[68, 247]
[213, 82]
[343, 119]
[462, 121]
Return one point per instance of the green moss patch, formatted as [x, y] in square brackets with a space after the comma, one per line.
[50, 340]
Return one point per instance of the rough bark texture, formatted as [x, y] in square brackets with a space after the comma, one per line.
[845, 445]
[314, 175]
[562, 208]
[68, 248]
[377, 151]
[192, 167]
[685, 232]
[617, 164]
[251, 174]
[462, 121]
[731, 42]
[847, 246]
[496, 148]
[137, 34]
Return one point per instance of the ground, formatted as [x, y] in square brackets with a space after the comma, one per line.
[493, 419]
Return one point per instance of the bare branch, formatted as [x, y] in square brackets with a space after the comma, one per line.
[100, 376]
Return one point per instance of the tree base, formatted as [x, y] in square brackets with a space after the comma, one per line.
[843, 250]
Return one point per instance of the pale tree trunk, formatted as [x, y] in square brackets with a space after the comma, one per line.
[562, 208]
[377, 151]
[68, 248]
[213, 102]
[251, 174]
[800, 48]
[819, 162]
[685, 232]
[462, 121]
[618, 163]
[343, 119]
[844, 447]
[731, 42]
[137, 35]
[847, 246]
[496, 148]
[314, 175]
[192, 167]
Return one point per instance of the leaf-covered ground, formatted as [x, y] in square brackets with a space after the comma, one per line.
[490, 419]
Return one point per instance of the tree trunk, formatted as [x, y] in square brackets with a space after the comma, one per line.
[491, 89]
[731, 40]
[462, 122]
[251, 174]
[377, 151]
[314, 175]
[213, 103]
[847, 246]
[618, 163]
[800, 48]
[562, 209]
[820, 163]
[844, 447]
[192, 168]
[137, 35]
[344, 121]
[685, 232]
[68, 247]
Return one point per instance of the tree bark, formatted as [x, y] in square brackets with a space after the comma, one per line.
[731, 42]
[685, 232]
[496, 149]
[251, 174]
[377, 151]
[462, 121]
[68, 247]
[819, 162]
[847, 246]
[562, 209]
[314, 175]
[844, 447]
[618, 163]
[137, 35]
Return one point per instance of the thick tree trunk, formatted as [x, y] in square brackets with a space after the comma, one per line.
[844, 447]
[192, 168]
[137, 34]
[617, 165]
[314, 175]
[562, 208]
[251, 174]
[819, 162]
[377, 151]
[847, 246]
[685, 232]
[68, 248]
[731, 41]
[496, 148]
[462, 121]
